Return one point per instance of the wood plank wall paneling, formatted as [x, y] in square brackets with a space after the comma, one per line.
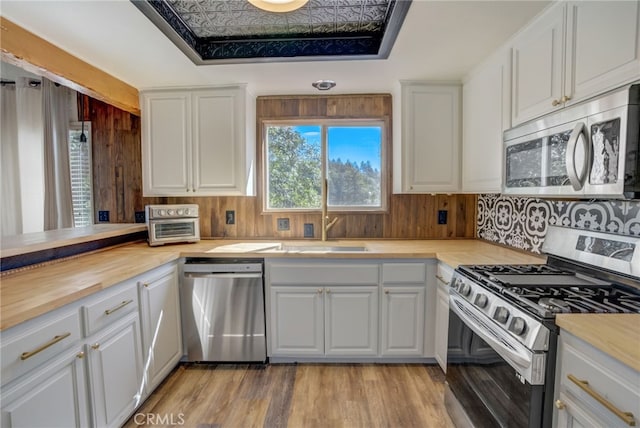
[409, 216]
[117, 164]
[118, 181]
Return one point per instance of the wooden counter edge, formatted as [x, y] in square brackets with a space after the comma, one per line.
[617, 335]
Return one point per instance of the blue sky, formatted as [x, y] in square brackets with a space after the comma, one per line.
[359, 144]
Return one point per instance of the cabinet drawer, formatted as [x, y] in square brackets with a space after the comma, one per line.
[323, 274]
[606, 378]
[109, 307]
[24, 348]
[403, 272]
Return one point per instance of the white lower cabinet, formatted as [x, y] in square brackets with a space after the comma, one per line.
[297, 321]
[348, 309]
[443, 278]
[82, 365]
[402, 321]
[593, 389]
[115, 372]
[161, 324]
[53, 395]
[351, 321]
[317, 321]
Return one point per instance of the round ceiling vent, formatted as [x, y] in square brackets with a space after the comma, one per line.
[323, 85]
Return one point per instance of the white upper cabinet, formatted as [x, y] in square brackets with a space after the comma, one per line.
[430, 138]
[486, 113]
[538, 56]
[574, 51]
[603, 46]
[198, 142]
[166, 143]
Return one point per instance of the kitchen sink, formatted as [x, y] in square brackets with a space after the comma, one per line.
[287, 248]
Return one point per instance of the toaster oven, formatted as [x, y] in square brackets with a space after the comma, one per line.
[170, 224]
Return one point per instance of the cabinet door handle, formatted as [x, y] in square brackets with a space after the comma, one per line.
[319, 290]
[565, 98]
[145, 284]
[80, 355]
[627, 417]
[555, 103]
[560, 404]
[442, 280]
[95, 346]
[42, 347]
[328, 290]
[386, 291]
[120, 306]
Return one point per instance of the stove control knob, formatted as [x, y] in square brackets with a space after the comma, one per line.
[179, 211]
[171, 212]
[187, 211]
[501, 314]
[456, 284]
[161, 212]
[517, 326]
[464, 289]
[481, 301]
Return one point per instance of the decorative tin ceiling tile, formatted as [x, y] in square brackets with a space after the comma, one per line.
[228, 31]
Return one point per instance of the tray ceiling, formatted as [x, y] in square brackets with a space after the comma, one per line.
[235, 31]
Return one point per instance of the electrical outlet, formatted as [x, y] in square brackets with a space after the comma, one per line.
[442, 216]
[230, 217]
[308, 230]
[103, 215]
[283, 224]
[140, 217]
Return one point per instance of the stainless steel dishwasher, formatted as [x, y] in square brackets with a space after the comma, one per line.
[223, 310]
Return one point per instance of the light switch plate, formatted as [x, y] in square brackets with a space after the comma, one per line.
[442, 216]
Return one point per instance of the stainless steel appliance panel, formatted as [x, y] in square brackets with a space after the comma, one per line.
[223, 312]
[589, 149]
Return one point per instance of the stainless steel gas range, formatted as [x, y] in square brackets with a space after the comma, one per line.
[502, 333]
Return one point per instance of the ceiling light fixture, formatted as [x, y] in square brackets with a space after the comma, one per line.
[323, 85]
[278, 5]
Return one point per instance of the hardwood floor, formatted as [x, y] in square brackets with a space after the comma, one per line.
[297, 396]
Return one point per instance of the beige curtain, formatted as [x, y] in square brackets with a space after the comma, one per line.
[58, 206]
[11, 214]
[22, 207]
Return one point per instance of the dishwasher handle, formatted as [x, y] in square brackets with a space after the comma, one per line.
[221, 275]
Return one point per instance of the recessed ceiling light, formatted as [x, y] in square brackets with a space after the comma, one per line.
[278, 5]
[323, 85]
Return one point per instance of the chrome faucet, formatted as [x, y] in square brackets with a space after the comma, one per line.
[325, 215]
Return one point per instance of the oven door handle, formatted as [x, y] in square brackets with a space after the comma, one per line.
[520, 359]
[221, 275]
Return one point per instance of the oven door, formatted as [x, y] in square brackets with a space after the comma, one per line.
[486, 381]
[173, 231]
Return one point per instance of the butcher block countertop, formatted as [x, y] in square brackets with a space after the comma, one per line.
[38, 241]
[30, 292]
[617, 335]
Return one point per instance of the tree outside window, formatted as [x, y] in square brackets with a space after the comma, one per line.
[300, 156]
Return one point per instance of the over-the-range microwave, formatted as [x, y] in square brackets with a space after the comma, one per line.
[589, 150]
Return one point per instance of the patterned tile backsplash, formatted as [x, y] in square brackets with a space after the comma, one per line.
[522, 222]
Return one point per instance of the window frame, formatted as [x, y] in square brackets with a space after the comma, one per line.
[385, 164]
[77, 126]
